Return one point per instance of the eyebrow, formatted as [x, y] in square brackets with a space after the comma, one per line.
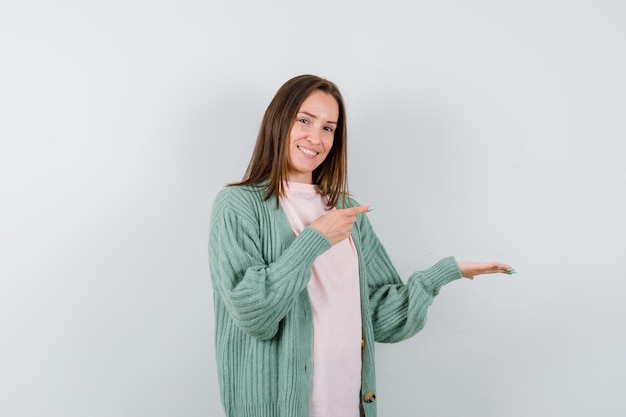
[315, 117]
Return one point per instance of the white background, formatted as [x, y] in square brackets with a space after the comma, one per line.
[486, 130]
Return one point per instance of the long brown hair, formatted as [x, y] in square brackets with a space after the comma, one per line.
[269, 165]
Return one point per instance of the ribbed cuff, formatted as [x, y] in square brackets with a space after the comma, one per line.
[309, 245]
[442, 273]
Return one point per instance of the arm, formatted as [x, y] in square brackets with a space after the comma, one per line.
[257, 293]
[398, 310]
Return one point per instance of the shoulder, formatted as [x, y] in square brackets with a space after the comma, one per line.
[347, 202]
[241, 194]
[240, 201]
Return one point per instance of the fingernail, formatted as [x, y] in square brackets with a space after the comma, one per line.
[511, 272]
[370, 208]
[501, 266]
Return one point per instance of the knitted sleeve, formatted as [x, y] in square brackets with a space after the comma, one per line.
[398, 310]
[257, 293]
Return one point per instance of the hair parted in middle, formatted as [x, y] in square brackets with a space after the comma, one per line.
[269, 165]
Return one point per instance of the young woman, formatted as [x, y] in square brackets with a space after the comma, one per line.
[302, 285]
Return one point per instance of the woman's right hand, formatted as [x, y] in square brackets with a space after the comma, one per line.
[337, 225]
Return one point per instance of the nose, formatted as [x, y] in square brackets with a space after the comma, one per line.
[315, 136]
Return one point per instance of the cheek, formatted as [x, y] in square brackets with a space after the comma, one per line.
[292, 134]
[328, 144]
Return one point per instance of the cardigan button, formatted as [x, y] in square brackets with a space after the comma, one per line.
[362, 344]
[369, 397]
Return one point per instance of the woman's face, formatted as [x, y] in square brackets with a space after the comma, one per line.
[311, 136]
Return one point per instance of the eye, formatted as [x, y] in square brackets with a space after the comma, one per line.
[329, 129]
[304, 121]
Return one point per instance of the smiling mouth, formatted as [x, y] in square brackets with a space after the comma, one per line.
[308, 152]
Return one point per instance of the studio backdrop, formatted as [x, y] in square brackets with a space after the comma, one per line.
[491, 131]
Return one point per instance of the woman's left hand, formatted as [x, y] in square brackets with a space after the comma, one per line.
[471, 269]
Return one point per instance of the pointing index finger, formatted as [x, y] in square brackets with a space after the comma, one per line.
[358, 210]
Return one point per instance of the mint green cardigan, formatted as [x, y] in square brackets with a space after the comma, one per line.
[263, 315]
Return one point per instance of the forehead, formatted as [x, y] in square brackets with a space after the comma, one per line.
[321, 104]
